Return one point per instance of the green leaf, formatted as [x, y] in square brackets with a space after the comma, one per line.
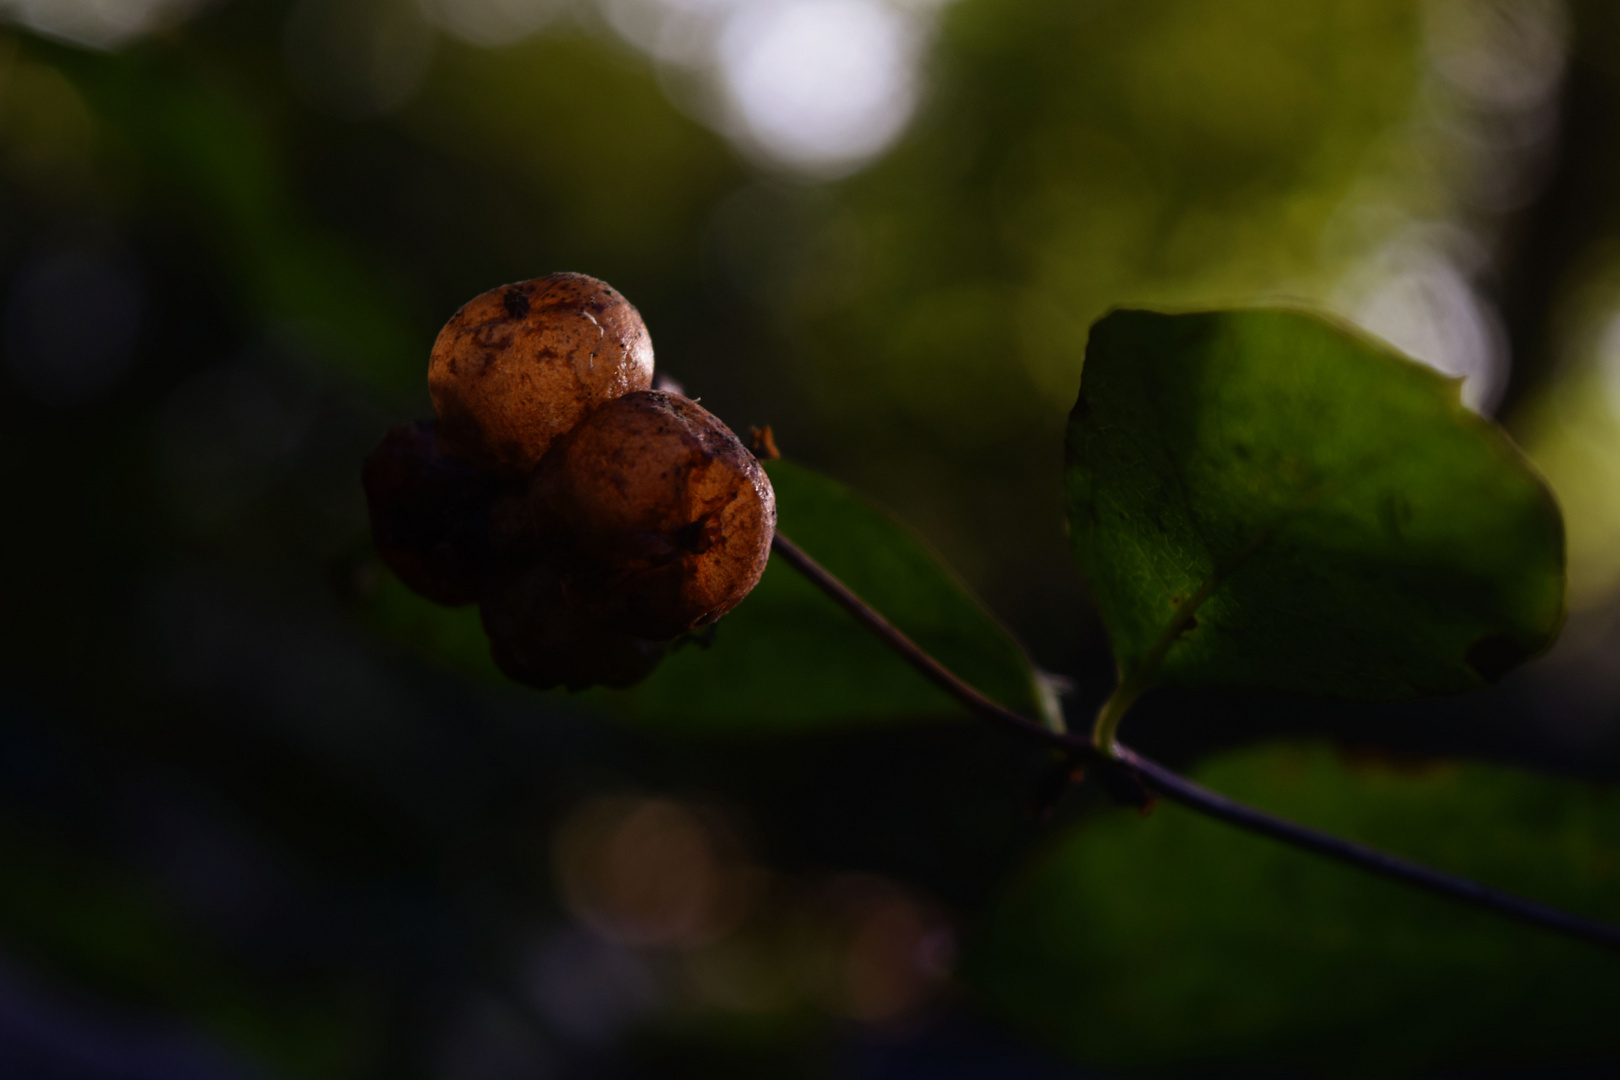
[788, 658]
[1172, 939]
[1270, 499]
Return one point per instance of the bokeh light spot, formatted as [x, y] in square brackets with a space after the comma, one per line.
[492, 23]
[650, 872]
[100, 24]
[1417, 295]
[820, 85]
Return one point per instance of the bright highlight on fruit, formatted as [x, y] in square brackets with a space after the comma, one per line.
[520, 365]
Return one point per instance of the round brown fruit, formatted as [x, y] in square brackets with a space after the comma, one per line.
[543, 636]
[520, 365]
[429, 513]
[664, 517]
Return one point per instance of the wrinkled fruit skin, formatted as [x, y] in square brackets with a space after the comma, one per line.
[662, 519]
[542, 636]
[520, 365]
[430, 513]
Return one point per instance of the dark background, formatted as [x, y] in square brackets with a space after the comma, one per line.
[243, 834]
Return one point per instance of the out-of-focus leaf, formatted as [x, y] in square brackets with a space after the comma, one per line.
[1265, 498]
[788, 658]
[1173, 939]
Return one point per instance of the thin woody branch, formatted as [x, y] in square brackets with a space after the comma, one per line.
[1179, 789]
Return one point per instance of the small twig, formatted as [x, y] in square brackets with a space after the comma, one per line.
[1179, 789]
[1196, 797]
[934, 671]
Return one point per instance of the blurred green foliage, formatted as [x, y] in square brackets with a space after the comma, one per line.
[1079, 157]
[1171, 939]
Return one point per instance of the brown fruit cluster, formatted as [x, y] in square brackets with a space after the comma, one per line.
[592, 520]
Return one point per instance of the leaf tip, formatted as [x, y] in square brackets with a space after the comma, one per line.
[1494, 655]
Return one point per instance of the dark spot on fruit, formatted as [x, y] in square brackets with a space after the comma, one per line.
[696, 537]
[516, 302]
[1494, 655]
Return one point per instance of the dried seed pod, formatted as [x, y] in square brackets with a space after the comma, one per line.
[665, 518]
[520, 365]
[540, 635]
[429, 513]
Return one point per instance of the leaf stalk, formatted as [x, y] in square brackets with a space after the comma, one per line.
[1112, 712]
